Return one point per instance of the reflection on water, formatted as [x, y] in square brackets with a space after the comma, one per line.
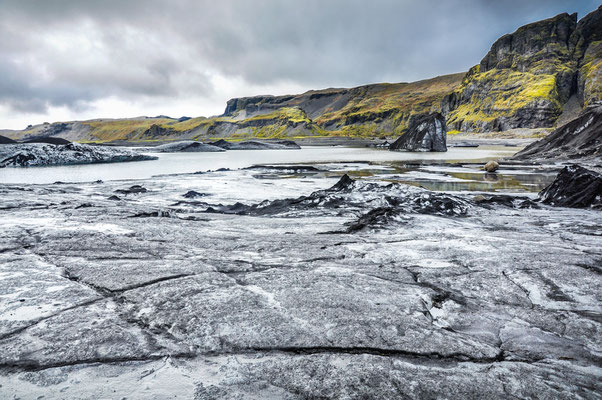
[487, 182]
[503, 185]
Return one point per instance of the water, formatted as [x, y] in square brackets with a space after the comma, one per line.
[179, 163]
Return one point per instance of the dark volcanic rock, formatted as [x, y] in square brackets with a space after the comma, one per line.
[379, 217]
[504, 200]
[5, 140]
[38, 154]
[588, 48]
[497, 94]
[155, 214]
[187, 146]
[48, 140]
[426, 132]
[580, 138]
[191, 194]
[292, 168]
[256, 145]
[575, 187]
[345, 183]
[135, 189]
[523, 48]
[350, 196]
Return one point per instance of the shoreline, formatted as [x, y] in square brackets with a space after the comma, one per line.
[330, 141]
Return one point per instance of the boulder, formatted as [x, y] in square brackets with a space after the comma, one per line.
[426, 132]
[575, 187]
[491, 166]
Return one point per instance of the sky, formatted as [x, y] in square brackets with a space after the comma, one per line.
[63, 60]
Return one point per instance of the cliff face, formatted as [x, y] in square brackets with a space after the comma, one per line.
[528, 76]
[372, 110]
[589, 50]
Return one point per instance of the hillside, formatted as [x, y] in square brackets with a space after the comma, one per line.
[529, 76]
[371, 110]
[542, 74]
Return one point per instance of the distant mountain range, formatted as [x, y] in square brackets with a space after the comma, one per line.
[543, 73]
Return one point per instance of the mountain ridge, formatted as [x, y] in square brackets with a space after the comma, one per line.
[528, 79]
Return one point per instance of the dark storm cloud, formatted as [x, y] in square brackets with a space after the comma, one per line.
[70, 52]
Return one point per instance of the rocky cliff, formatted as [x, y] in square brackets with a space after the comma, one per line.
[528, 77]
[372, 110]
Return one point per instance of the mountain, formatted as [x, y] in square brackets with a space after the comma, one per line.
[371, 110]
[528, 77]
[542, 75]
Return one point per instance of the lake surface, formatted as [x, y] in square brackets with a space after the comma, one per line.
[179, 163]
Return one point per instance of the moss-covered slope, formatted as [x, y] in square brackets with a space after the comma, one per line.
[372, 110]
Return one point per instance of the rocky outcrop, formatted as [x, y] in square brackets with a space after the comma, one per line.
[348, 195]
[426, 133]
[33, 155]
[256, 145]
[528, 76]
[578, 139]
[48, 140]
[187, 146]
[574, 187]
[5, 140]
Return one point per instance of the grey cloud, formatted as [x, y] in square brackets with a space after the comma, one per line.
[157, 49]
[18, 91]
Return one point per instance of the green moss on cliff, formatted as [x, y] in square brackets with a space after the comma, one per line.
[373, 104]
[291, 114]
[590, 74]
[496, 95]
[120, 129]
[184, 125]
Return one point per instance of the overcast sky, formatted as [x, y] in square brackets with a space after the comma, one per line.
[77, 59]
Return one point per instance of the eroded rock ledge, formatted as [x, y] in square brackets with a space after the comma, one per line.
[34, 154]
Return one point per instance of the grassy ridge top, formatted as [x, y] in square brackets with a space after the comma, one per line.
[404, 98]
